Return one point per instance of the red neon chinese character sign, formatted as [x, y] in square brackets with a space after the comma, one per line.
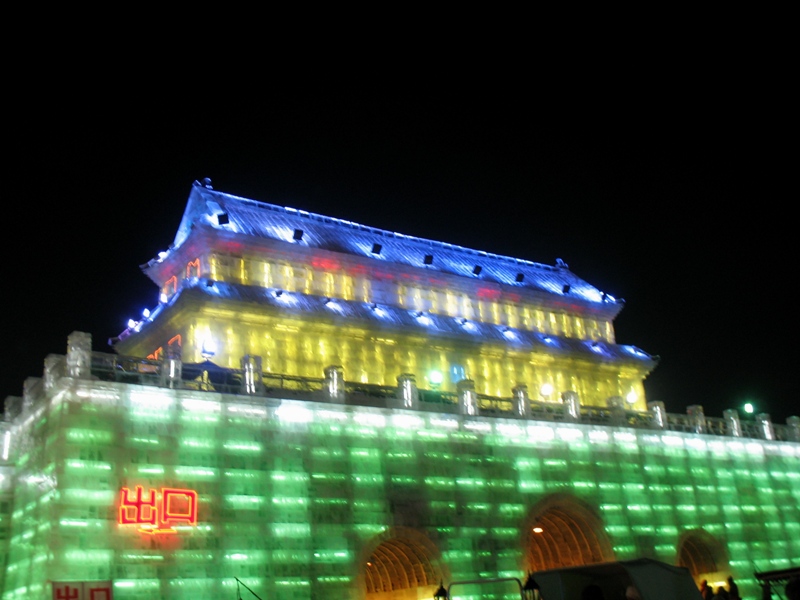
[157, 513]
[82, 590]
[67, 591]
[193, 268]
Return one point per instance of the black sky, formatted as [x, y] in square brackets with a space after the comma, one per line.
[680, 207]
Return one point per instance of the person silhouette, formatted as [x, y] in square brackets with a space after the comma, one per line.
[721, 594]
[733, 589]
[792, 589]
[632, 593]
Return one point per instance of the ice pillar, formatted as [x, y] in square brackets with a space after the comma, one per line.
[467, 397]
[659, 413]
[794, 428]
[172, 368]
[765, 428]
[522, 402]
[334, 383]
[30, 390]
[732, 424]
[697, 418]
[53, 370]
[12, 406]
[616, 404]
[572, 406]
[79, 355]
[251, 375]
[407, 391]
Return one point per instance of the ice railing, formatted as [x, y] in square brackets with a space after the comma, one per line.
[250, 380]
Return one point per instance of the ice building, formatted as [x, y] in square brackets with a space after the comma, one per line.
[317, 409]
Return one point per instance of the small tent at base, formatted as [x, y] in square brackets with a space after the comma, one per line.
[655, 580]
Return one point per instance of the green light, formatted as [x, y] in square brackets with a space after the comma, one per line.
[73, 523]
[88, 464]
[290, 501]
[291, 530]
[435, 377]
[342, 579]
[243, 446]
[245, 502]
[404, 480]
[89, 436]
[197, 443]
[138, 440]
[192, 472]
[749, 408]
[152, 470]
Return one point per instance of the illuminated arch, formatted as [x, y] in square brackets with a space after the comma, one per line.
[401, 564]
[572, 534]
[703, 554]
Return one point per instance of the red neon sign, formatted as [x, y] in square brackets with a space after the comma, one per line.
[327, 264]
[172, 281]
[157, 512]
[157, 354]
[193, 268]
[491, 294]
[82, 590]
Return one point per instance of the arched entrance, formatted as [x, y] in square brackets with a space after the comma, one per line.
[704, 556]
[562, 531]
[401, 564]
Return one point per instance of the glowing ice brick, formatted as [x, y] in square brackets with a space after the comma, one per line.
[294, 414]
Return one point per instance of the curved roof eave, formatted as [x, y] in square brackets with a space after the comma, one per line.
[411, 322]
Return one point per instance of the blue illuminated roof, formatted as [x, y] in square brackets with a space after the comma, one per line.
[221, 211]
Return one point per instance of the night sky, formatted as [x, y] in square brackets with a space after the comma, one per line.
[680, 208]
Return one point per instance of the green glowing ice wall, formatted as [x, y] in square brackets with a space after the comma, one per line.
[291, 496]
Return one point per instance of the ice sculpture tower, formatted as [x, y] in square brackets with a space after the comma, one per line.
[305, 292]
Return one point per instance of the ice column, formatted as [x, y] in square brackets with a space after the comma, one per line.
[172, 368]
[522, 403]
[12, 406]
[765, 427]
[617, 406]
[251, 369]
[467, 397]
[334, 383]
[697, 418]
[30, 391]
[407, 391]
[5, 443]
[79, 355]
[572, 406]
[656, 408]
[794, 428]
[53, 370]
[732, 424]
